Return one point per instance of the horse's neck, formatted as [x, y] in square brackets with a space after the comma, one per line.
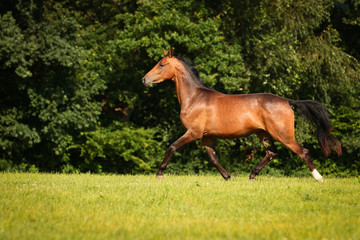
[185, 88]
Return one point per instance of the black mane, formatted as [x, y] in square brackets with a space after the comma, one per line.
[193, 71]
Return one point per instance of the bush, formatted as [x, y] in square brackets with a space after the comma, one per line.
[120, 148]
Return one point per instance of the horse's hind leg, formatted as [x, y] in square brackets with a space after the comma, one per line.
[304, 154]
[209, 146]
[268, 142]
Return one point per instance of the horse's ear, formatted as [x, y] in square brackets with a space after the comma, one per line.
[171, 53]
[165, 53]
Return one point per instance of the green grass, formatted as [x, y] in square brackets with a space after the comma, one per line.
[85, 206]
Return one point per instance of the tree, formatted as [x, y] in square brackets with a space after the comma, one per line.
[71, 78]
[49, 89]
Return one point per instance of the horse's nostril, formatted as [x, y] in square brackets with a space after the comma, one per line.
[143, 80]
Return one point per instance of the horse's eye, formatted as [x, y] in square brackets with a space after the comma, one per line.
[161, 65]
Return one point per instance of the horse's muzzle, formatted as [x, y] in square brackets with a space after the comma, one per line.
[147, 84]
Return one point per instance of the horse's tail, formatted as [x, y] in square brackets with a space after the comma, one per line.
[317, 114]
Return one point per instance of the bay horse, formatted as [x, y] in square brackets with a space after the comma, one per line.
[208, 114]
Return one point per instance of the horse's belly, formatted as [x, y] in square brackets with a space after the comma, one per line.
[233, 116]
[233, 128]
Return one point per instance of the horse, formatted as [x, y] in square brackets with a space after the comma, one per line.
[207, 114]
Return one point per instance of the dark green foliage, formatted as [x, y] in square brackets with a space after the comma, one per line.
[120, 148]
[72, 98]
[48, 91]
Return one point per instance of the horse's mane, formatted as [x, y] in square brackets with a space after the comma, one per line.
[194, 72]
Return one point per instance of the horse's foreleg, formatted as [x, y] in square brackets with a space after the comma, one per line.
[185, 139]
[209, 146]
[271, 152]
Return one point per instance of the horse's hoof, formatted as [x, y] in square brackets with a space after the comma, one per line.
[252, 177]
[227, 178]
[160, 176]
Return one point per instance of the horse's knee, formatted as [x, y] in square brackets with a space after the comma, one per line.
[170, 150]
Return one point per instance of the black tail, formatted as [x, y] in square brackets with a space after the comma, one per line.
[317, 114]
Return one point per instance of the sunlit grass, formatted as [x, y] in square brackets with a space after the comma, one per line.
[85, 206]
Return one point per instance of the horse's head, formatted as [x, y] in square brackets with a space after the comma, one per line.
[163, 70]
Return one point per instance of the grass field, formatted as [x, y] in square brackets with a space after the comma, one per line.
[85, 206]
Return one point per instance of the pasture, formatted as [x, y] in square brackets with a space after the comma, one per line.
[87, 206]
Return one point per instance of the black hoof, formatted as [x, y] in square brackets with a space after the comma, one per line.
[227, 178]
[252, 177]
